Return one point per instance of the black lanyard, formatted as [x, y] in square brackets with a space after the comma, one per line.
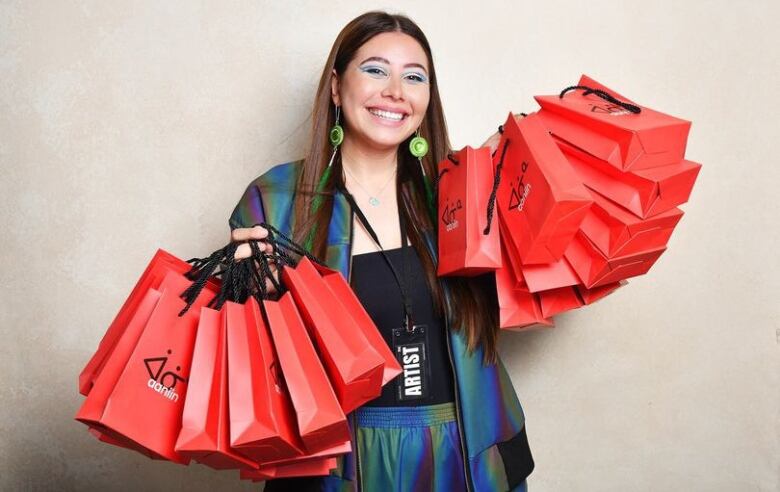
[402, 282]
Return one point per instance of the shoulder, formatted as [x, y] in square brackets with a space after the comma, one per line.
[280, 178]
[268, 197]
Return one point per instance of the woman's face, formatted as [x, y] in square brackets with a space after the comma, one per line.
[384, 91]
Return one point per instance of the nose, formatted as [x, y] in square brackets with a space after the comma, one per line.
[394, 88]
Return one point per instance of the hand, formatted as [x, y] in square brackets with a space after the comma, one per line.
[494, 139]
[258, 233]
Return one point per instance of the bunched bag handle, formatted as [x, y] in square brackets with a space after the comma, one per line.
[247, 277]
[604, 95]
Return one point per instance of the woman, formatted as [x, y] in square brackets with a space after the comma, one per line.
[459, 426]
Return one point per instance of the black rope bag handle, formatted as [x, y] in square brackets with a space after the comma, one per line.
[496, 181]
[632, 108]
[246, 277]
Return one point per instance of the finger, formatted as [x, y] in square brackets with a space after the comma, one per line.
[247, 233]
[243, 251]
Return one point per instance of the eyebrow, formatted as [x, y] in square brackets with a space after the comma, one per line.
[384, 60]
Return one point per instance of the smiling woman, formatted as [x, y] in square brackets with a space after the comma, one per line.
[452, 422]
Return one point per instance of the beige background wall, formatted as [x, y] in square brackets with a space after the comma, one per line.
[126, 126]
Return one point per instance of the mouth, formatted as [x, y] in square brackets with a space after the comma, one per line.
[391, 116]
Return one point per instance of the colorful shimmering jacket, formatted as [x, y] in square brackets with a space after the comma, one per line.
[490, 418]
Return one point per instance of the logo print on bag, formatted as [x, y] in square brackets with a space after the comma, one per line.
[448, 216]
[517, 197]
[611, 109]
[163, 382]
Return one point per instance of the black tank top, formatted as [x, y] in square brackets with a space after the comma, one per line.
[375, 286]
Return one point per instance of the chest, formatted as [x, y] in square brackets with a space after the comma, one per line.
[383, 218]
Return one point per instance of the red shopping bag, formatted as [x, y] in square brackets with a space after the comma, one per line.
[162, 263]
[355, 368]
[318, 467]
[539, 277]
[559, 300]
[617, 232]
[350, 305]
[330, 452]
[608, 131]
[123, 442]
[262, 418]
[320, 419]
[541, 199]
[205, 427]
[518, 308]
[468, 241]
[139, 394]
[597, 269]
[589, 296]
[644, 192]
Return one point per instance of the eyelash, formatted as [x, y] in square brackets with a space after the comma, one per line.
[420, 78]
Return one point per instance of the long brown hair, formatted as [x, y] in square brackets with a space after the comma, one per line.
[473, 308]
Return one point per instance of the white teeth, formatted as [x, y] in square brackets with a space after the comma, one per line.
[387, 115]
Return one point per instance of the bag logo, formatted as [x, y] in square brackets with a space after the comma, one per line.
[448, 216]
[519, 190]
[157, 378]
[610, 109]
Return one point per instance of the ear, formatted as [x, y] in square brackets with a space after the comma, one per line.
[334, 88]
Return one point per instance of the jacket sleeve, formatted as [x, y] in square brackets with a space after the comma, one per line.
[249, 209]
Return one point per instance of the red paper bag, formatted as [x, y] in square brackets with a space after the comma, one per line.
[556, 301]
[123, 442]
[627, 141]
[518, 308]
[541, 199]
[350, 305]
[589, 296]
[333, 451]
[536, 278]
[318, 467]
[205, 428]
[162, 263]
[644, 192]
[468, 241]
[321, 421]
[354, 367]
[597, 269]
[140, 392]
[262, 418]
[617, 232]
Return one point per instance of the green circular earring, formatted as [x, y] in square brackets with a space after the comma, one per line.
[418, 146]
[336, 132]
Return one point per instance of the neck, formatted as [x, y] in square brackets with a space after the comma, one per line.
[368, 164]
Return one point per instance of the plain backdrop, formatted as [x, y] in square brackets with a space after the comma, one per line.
[126, 126]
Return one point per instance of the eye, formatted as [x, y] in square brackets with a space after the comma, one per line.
[417, 77]
[374, 71]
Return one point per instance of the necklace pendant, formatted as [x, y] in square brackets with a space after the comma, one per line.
[374, 201]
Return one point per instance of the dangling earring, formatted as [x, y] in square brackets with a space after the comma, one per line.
[336, 135]
[418, 146]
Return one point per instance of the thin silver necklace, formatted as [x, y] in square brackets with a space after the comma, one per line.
[373, 200]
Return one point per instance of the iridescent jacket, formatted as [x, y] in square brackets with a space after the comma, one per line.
[490, 418]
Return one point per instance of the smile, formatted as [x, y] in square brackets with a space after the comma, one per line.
[387, 115]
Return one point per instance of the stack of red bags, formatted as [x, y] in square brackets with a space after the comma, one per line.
[233, 380]
[587, 191]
